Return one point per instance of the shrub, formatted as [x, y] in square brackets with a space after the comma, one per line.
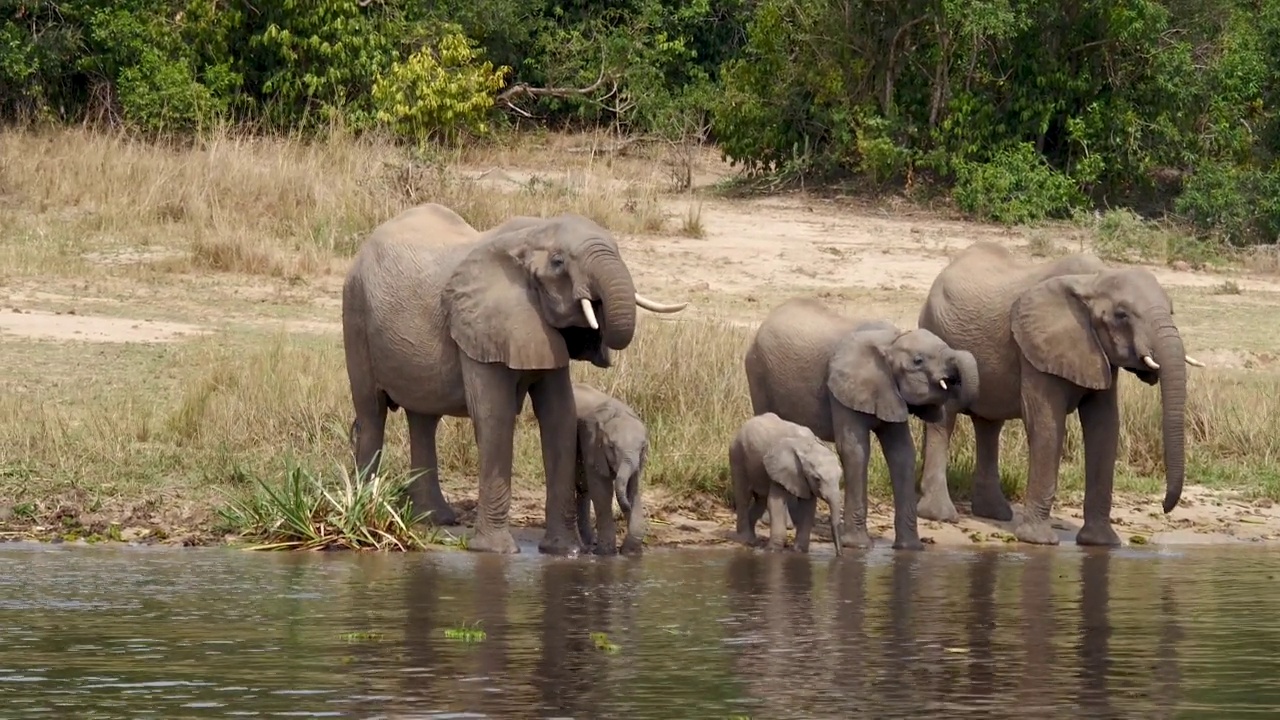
[1015, 186]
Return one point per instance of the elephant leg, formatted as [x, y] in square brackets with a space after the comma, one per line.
[743, 499]
[552, 397]
[1100, 426]
[425, 488]
[585, 532]
[777, 505]
[634, 543]
[1044, 415]
[988, 498]
[758, 508]
[493, 401]
[606, 529]
[935, 500]
[368, 432]
[900, 455]
[853, 444]
[806, 509]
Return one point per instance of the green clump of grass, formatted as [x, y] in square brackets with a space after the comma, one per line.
[312, 511]
[361, 635]
[603, 643]
[466, 633]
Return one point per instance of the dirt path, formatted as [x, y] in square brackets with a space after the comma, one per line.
[750, 255]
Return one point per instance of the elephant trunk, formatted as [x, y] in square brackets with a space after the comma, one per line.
[835, 504]
[1170, 355]
[611, 282]
[620, 482]
[967, 368]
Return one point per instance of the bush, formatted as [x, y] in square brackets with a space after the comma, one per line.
[439, 93]
[1015, 186]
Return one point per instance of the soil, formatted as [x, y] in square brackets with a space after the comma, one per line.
[869, 260]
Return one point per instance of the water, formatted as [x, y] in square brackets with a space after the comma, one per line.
[1012, 633]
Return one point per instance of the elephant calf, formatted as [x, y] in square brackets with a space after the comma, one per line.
[774, 461]
[844, 380]
[613, 445]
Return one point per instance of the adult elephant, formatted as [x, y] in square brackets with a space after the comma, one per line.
[844, 380]
[1050, 338]
[445, 320]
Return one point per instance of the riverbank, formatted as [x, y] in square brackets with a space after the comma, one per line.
[169, 321]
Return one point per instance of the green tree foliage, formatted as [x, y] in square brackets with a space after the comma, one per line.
[1024, 108]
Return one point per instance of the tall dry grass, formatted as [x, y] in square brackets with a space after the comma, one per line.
[236, 411]
[257, 205]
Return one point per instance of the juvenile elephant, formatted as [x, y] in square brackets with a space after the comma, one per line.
[445, 320]
[1050, 339]
[844, 380]
[613, 446]
[774, 461]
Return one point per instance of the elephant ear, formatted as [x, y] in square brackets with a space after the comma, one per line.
[860, 378]
[495, 314]
[1051, 325]
[782, 462]
[593, 448]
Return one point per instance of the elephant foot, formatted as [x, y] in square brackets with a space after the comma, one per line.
[560, 545]
[443, 516]
[937, 506]
[494, 541]
[748, 539]
[774, 547]
[632, 545]
[1097, 533]
[605, 549]
[992, 505]
[1036, 532]
[859, 539]
[907, 542]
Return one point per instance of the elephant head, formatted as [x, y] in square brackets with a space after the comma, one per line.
[537, 293]
[886, 372]
[1084, 327]
[806, 468]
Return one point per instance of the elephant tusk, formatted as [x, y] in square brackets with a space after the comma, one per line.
[1194, 362]
[590, 313]
[943, 383]
[1150, 363]
[653, 306]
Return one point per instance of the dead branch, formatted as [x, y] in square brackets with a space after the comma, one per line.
[507, 97]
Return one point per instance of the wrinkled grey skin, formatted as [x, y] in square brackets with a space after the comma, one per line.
[845, 380]
[613, 446]
[773, 461]
[1050, 338]
[439, 319]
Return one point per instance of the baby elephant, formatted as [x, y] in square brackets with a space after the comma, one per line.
[612, 447]
[778, 461]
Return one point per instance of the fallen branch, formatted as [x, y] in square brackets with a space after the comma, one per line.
[507, 97]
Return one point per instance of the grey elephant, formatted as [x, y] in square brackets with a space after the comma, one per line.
[445, 320]
[613, 447]
[1050, 338]
[844, 380]
[773, 461]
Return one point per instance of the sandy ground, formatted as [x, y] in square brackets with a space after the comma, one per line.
[869, 261]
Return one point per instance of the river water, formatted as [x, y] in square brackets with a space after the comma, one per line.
[125, 632]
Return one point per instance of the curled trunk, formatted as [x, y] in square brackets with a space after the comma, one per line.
[967, 368]
[613, 285]
[1171, 356]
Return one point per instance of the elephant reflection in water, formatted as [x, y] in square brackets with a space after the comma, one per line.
[1035, 691]
[847, 593]
[581, 597]
[783, 661]
[1094, 696]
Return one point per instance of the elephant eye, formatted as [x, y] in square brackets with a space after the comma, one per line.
[918, 360]
[1120, 315]
[556, 263]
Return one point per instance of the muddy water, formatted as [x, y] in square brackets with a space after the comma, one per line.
[1141, 633]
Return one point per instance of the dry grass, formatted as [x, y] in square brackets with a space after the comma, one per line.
[254, 205]
[223, 413]
[159, 435]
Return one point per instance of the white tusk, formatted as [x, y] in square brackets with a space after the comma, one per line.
[658, 307]
[1194, 362]
[943, 383]
[590, 313]
[1150, 363]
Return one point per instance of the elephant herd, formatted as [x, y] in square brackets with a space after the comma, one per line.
[440, 319]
